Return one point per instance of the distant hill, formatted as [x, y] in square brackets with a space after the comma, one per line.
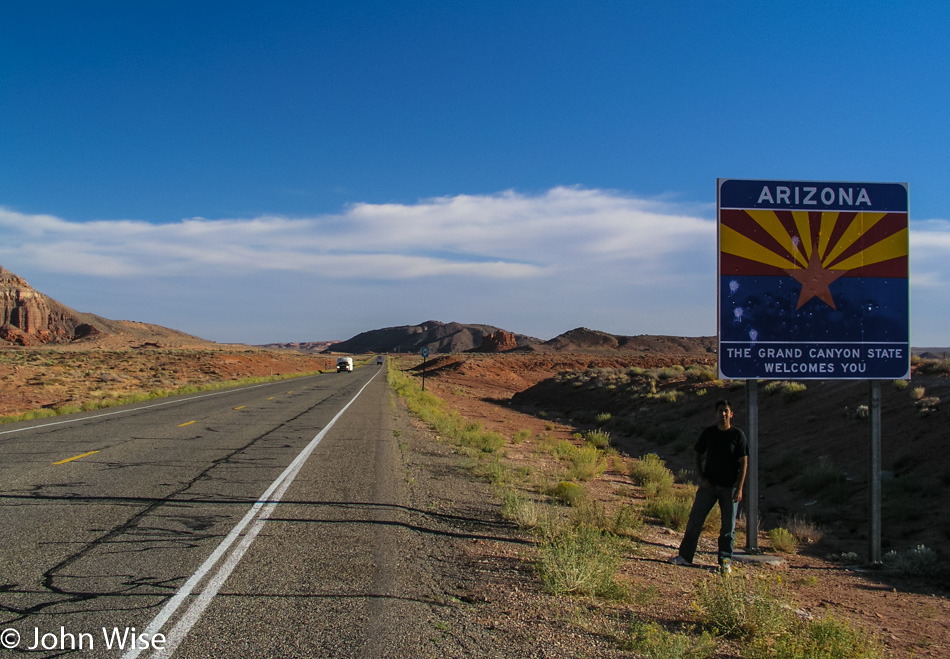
[30, 318]
[303, 346]
[444, 338]
[438, 337]
[592, 341]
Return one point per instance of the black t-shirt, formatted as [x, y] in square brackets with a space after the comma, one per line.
[723, 449]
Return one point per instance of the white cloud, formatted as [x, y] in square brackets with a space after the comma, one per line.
[508, 235]
[929, 253]
[539, 264]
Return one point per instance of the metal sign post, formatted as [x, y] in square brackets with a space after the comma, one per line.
[425, 357]
[752, 477]
[874, 477]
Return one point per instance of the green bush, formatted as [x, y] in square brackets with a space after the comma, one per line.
[521, 510]
[760, 614]
[793, 391]
[671, 510]
[783, 541]
[569, 493]
[919, 560]
[597, 438]
[602, 418]
[648, 640]
[743, 609]
[581, 561]
[520, 436]
[818, 639]
[586, 463]
[650, 472]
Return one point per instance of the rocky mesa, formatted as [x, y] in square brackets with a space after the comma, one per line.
[30, 318]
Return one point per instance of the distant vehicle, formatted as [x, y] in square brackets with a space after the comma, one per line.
[379, 360]
[344, 365]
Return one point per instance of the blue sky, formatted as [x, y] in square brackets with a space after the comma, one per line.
[260, 172]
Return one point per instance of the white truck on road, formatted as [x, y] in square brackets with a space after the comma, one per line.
[344, 365]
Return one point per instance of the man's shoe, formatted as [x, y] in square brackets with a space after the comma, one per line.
[725, 567]
[679, 560]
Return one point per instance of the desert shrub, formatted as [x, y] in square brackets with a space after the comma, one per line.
[774, 386]
[793, 391]
[651, 641]
[493, 469]
[783, 541]
[804, 530]
[900, 385]
[521, 510]
[597, 438]
[68, 409]
[671, 509]
[701, 373]
[474, 436]
[917, 393]
[825, 638]
[590, 513]
[844, 557]
[650, 472]
[569, 493]
[627, 521]
[669, 373]
[563, 449]
[520, 436]
[586, 463]
[669, 396]
[602, 419]
[759, 613]
[581, 561]
[916, 561]
[743, 609]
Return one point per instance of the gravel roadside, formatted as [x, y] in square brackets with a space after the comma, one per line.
[473, 568]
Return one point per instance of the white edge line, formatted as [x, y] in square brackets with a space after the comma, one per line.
[267, 502]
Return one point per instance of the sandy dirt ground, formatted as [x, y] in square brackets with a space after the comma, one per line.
[909, 614]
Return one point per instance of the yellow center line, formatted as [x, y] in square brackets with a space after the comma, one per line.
[75, 457]
[240, 407]
[270, 398]
[187, 423]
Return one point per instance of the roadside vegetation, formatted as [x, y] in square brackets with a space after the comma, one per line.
[581, 543]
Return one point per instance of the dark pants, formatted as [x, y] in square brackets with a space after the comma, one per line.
[706, 498]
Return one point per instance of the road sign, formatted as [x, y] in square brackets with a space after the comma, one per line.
[425, 352]
[813, 280]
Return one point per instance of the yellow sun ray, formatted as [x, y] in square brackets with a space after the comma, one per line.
[828, 221]
[737, 244]
[804, 231]
[769, 221]
[861, 224]
[892, 247]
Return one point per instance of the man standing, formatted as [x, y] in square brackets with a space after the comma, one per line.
[722, 459]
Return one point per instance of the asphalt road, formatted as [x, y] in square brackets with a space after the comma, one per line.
[261, 521]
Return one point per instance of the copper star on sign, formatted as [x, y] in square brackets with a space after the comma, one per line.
[815, 280]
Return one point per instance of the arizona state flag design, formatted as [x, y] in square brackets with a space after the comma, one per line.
[813, 280]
